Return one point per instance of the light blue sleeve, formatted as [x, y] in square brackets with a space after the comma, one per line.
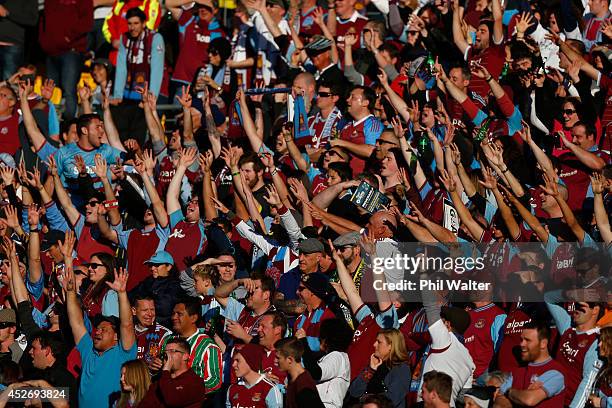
[56, 219]
[46, 150]
[553, 382]
[589, 364]
[162, 233]
[480, 117]
[561, 317]
[274, 399]
[176, 217]
[78, 226]
[110, 304]
[157, 63]
[314, 343]
[54, 127]
[232, 310]
[388, 319]
[551, 245]
[514, 122]
[588, 241]
[39, 318]
[228, 404]
[606, 402]
[120, 71]
[36, 288]
[122, 235]
[497, 329]
[372, 132]
[363, 312]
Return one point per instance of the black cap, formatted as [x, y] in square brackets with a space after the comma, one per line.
[318, 284]
[51, 238]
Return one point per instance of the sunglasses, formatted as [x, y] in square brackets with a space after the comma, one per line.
[332, 153]
[93, 203]
[4, 325]
[568, 111]
[94, 265]
[325, 94]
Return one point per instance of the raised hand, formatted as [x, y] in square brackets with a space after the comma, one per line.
[226, 156]
[139, 166]
[8, 246]
[525, 133]
[597, 183]
[67, 246]
[368, 242]
[350, 40]
[235, 158]
[84, 93]
[448, 181]
[383, 78]
[7, 174]
[415, 214]
[119, 285]
[101, 167]
[259, 84]
[79, 163]
[267, 159]
[185, 99]
[47, 89]
[52, 166]
[25, 88]
[272, 197]
[298, 190]
[415, 112]
[34, 215]
[524, 22]
[479, 70]
[488, 181]
[398, 129]
[550, 186]
[205, 160]
[149, 161]
[187, 156]
[455, 154]
[318, 15]
[220, 206]
[11, 216]
[574, 70]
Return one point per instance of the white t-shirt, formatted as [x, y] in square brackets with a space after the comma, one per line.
[335, 378]
[454, 360]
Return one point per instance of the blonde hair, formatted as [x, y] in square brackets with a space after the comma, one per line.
[207, 272]
[136, 375]
[395, 339]
[605, 374]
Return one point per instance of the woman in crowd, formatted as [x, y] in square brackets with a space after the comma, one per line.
[602, 392]
[97, 297]
[135, 382]
[388, 372]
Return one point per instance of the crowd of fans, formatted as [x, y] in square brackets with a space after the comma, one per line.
[192, 217]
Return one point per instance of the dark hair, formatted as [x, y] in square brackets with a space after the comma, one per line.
[267, 284]
[334, 88]
[380, 400]
[84, 121]
[369, 94]
[192, 305]
[10, 372]
[97, 289]
[391, 49]
[136, 12]
[65, 125]
[465, 71]
[47, 340]
[439, 382]
[589, 129]
[343, 169]
[336, 333]
[290, 347]
[181, 342]
[278, 320]
[251, 157]
[541, 327]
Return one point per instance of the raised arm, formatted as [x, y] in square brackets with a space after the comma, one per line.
[458, 37]
[185, 100]
[213, 134]
[398, 103]
[498, 28]
[529, 218]
[62, 196]
[75, 314]
[34, 264]
[126, 327]
[248, 124]
[159, 210]
[19, 292]
[112, 134]
[187, 157]
[101, 170]
[154, 126]
[348, 285]
[294, 152]
[551, 188]
[589, 159]
[490, 182]
[34, 134]
[260, 5]
[601, 216]
[475, 229]
[541, 157]
[205, 161]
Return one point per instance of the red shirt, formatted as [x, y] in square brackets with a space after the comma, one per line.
[576, 177]
[573, 347]
[508, 355]
[478, 338]
[523, 377]
[492, 58]
[356, 22]
[9, 134]
[308, 27]
[141, 247]
[240, 396]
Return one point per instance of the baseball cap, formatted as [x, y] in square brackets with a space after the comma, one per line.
[317, 283]
[160, 258]
[104, 62]
[50, 239]
[279, 3]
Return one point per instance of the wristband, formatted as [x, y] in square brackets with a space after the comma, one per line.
[111, 204]
[34, 230]
[506, 169]
[274, 172]
[489, 78]
[236, 173]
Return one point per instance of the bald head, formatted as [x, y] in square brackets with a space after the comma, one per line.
[382, 224]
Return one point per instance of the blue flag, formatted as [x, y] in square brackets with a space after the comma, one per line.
[300, 118]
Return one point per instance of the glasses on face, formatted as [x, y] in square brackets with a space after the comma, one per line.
[325, 94]
[568, 111]
[4, 325]
[174, 351]
[382, 141]
[333, 153]
[94, 265]
[93, 203]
